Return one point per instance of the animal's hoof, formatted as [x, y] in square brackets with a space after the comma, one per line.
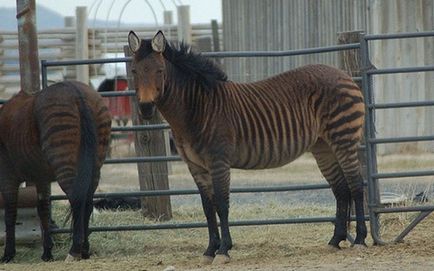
[333, 248]
[47, 257]
[359, 246]
[85, 256]
[71, 258]
[7, 258]
[220, 259]
[206, 260]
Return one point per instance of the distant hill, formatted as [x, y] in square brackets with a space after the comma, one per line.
[46, 19]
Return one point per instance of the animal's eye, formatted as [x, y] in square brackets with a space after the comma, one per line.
[159, 71]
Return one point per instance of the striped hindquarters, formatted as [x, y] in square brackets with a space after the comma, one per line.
[59, 115]
[59, 129]
[339, 160]
[345, 118]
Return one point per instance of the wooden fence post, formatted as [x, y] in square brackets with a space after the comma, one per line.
[215, 35]
[184, 26]
[349, 61]
[70, 71]
[2, 87]
[152, 176]
[28, 46]
[82, 44]
[168, 17]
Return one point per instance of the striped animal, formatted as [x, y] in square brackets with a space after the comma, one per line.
[218, 124]
[59, 134]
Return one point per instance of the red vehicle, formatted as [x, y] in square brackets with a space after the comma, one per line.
[119, 107]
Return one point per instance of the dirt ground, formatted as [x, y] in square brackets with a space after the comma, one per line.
[282, 247]
[415, 254]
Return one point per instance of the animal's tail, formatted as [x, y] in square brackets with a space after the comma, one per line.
[82, 191]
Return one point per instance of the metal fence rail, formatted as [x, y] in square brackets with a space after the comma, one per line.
[191, 225]
[373, 177]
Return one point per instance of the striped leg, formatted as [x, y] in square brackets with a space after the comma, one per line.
[343, 133]
[349, 163]
[43, 189]
[213, 232]
[10, 197]
[66, 184]
[203, 182]
[220, 173]
[85, 250]
[331, 170]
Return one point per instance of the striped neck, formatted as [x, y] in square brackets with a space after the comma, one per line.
[180, 99]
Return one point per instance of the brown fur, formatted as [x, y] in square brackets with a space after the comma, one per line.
[43, 138]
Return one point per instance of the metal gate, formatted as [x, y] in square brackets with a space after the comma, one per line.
[373, 177]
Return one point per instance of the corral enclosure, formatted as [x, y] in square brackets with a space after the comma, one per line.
[121, 178]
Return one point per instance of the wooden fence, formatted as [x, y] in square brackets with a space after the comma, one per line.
[61, 44]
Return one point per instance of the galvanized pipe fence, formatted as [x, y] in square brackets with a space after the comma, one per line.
[374, 205]
[373, 177]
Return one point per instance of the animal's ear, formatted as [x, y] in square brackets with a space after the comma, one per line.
[133, 42]
[159, 42]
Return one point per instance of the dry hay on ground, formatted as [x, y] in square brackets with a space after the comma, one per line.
[283, 247]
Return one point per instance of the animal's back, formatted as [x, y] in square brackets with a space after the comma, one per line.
[41, 133]
[58, 114]
[278, 119]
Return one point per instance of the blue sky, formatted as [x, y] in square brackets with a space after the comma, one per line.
[136, 11]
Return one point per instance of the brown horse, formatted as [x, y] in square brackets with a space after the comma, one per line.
[59, 134]
[218, 124]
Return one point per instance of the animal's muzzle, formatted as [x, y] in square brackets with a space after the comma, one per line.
[147, 110]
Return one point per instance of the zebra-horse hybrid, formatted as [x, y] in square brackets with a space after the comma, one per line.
[59, 134]
[218, 124]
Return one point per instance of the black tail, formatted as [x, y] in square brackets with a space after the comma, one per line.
[82, 191]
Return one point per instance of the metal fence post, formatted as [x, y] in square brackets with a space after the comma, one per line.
[373, 190]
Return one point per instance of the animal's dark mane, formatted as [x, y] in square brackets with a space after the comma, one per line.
[190, 65]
